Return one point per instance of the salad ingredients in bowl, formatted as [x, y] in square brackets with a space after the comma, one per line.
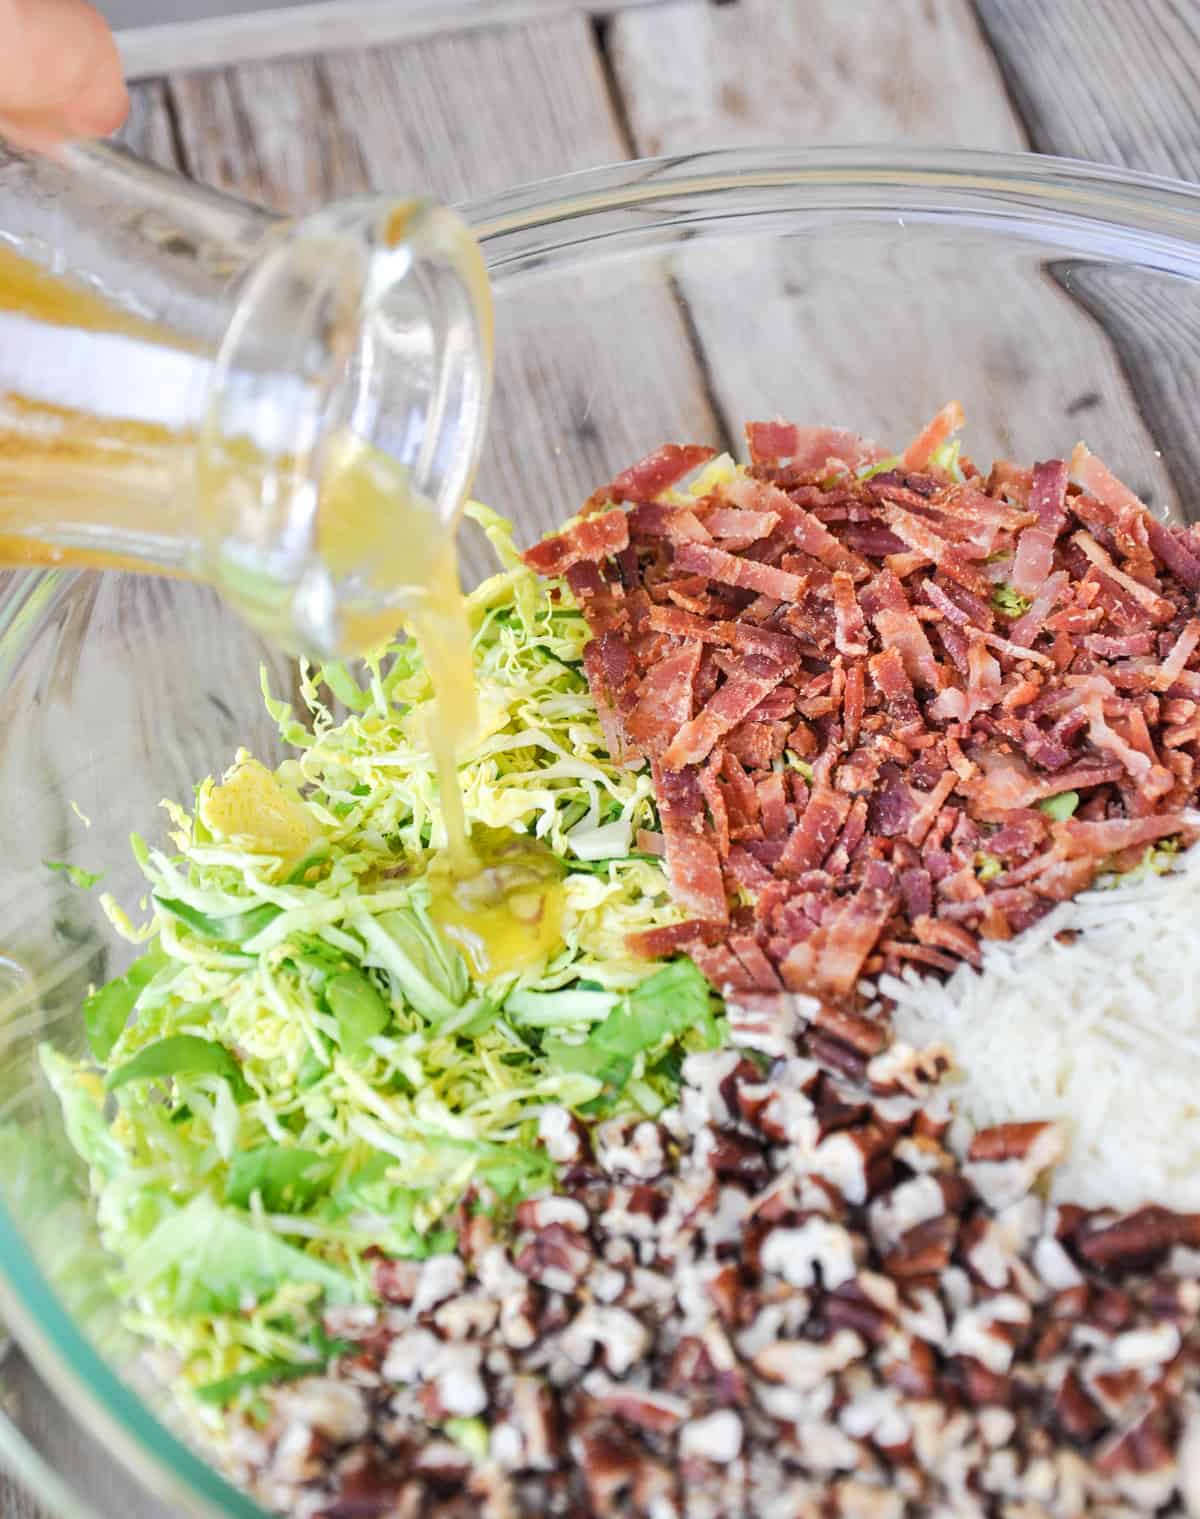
[598, 1182]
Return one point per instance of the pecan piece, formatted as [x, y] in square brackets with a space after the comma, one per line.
[734, 1157]
[863, 1035]
[915, 1373]
[1006, 1141]
[984, 1387]
[610, 1464]
[837, 1056]
[1078, 1416]
[850, 1308]
[661, 1413]
[533, 1416]
[925, 1250]
[557, 1257]
[542, 1212]
[1138, 1240]
[395, 1281]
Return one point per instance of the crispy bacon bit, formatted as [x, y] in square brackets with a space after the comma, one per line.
[919, 452]
[742, 574]
[733, 522]
[592, 539]
[895, 689]
[899, 629]
[654, 943]
[677, 524]
[815, 834]
[609, 667]
[1182, 650]
[928, 810]
[1035, 547]
[1101, 839]
[736, 699]
[664, 703]
[851, 635]
[830, 961]
[658, 472]
[770, 646]
[1171, 550]
[810, 450]
[949, 557]
[693, 864]
[1159, 608]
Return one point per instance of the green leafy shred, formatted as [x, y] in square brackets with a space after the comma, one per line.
[84, 879]
[945, 458]
[470, 1435]
[179, 1055]
[300, 1066]
[226, 1389]
[881, 467]
[107, 1010]
[1010, 603]
[642, 1025]
[988, 866]
[1158, 860]
[1060, 807]
[802, 767]
[286, 1181]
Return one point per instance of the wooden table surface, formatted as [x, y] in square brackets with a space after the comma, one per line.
[473, 111]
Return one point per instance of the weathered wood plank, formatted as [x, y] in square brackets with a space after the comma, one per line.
[148, 128]
[824, 72]
[1103, 79]
[880, 325]
[460, 117]
[1116, 82]
[214, 35]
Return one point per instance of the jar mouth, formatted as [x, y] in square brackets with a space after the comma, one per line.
[344, 419]
[1107, 212]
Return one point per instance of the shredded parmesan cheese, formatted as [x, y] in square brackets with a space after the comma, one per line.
[1101, 1032]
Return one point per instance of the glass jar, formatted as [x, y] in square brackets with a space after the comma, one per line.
[192, 385]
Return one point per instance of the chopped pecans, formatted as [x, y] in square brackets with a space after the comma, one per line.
[828, 1299]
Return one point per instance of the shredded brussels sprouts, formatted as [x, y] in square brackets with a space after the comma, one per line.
[300, 1068]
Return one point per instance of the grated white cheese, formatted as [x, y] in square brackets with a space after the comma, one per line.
[1102, 1033]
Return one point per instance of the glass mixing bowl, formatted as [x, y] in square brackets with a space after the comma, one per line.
[653, 301]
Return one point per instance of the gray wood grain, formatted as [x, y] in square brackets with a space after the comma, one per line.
[1103, 79]
[878, 328]
[1117, 82]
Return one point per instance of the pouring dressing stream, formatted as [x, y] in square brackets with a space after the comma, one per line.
[289, 410]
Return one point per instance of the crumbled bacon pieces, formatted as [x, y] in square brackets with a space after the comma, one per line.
[858, 683]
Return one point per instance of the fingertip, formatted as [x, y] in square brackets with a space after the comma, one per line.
[101, 106]
[106, 113]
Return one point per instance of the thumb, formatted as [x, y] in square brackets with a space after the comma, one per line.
[60, 74]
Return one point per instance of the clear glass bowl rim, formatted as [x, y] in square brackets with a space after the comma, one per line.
[1097, 210]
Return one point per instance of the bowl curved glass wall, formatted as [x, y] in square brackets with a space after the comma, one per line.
[655, 301]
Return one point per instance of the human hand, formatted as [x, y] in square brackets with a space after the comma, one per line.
[60, 77]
